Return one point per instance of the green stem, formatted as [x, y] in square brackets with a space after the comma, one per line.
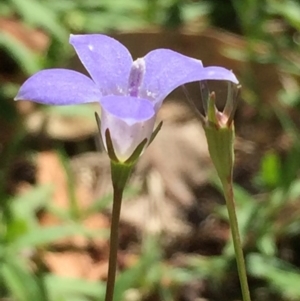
[114, 242]
[228, 192]
[120, 173]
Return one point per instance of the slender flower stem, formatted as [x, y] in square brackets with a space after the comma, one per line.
[119, 174]
[229, 196]
[114, 242]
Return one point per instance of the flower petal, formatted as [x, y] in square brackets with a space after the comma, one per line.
[129, 119]
[107, 61]
[165, 71]
[59, 87]
[217, 73]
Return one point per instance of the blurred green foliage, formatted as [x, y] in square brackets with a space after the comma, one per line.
[276, 24]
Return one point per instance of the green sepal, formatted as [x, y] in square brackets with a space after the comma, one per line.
[205, 95]
[220, 146]
[155, 132]
[110, 148]
[98, 120]
[212, 110]
[137, 152]
[120, 173]
[229, 100]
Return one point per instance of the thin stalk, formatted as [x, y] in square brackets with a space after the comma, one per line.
[120, 173]
[114, 242]
[230, 204]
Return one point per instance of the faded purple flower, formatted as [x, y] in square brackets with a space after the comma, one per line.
[130, 92]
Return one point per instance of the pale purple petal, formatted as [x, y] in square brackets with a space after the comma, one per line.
[59, 87]
[165, 71]
[130, 120]
[217, 73]
[107, 61]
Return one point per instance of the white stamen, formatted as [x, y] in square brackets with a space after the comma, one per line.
[136, 76]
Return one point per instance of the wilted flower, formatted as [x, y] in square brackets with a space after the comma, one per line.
[219, 130]
[130, 92]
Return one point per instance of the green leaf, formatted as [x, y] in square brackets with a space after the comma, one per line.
[214, 267]
[145, 274]
[42, 236]
[270, 169]
[103, 203]
[27, 59]
[282, 277]
[15, 228]
[5, 9]
[266, 244]
[22, 285]
[38, 14]
[289, 10]
[26, 206]
[100, 204]
[195, 10]
[63, 288]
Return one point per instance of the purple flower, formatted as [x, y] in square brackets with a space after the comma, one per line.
[130, 92]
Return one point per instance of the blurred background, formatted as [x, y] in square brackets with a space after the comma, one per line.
[55, 193]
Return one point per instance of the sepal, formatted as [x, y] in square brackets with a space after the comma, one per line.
[137, 152]
[220, 147]
[155, 132]
[110, 148]
[120, 173]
